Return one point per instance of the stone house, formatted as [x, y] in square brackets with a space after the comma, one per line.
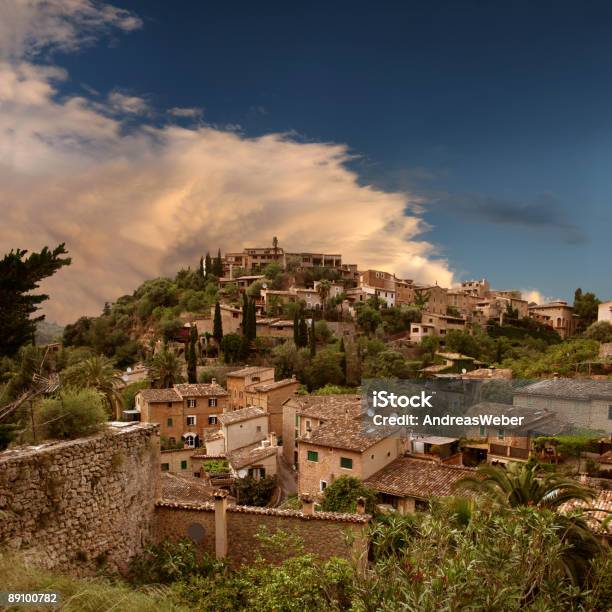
[581, 402]
[433, 324]
[343, 448]
[270, 396]
[184, 412]
[243, 427]
[239, 380]
[557, 315]
[604, 312]
[305, 413]
[257, 460]
[408, 483]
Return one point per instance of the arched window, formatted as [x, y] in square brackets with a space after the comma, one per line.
[190, 440]
[558, 321]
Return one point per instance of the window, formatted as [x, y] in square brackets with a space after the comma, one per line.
[256, 379]
[190, 441]
[610, 412]
[259, 429]
[323, 485]
[169, 404]
[500, 434]
[183, 465]
[191, 420]
[212, 402]
[308, 426]
[313, 456]
[346, 463]
[483, 430]
[212, 419]
[165, 467]
[168, 422]
[191, 403]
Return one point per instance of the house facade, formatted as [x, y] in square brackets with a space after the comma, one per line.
[239, 381]
[557, 315]
[270, 396]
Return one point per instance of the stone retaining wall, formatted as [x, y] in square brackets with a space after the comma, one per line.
[81, 503]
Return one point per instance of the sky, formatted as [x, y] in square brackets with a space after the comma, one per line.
[438, 140]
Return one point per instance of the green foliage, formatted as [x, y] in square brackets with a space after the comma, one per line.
[325, 369]
[389, 364]
[458, 341]
[600, 331]
[335, 390]
[323, 333]
[165, 369]
[342, 495]
[20, 277]
[192, 355]
[217, 324]
[231, 347]
[570, 445]
[302, 335]
[429, 347]
[399, 318]
[290, 360]
[585, 307]
[73, 414]
[252, 492]
[216, 466]
[564, 358]
[521, 329]
[369, 319]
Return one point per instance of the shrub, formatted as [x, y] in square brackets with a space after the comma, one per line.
[74, 413]
[251, 492]
[342, 495]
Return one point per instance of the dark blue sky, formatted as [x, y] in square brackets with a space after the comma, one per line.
[498, 114]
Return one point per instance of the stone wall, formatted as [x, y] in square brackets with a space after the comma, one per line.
[326, 534]
[80, 503]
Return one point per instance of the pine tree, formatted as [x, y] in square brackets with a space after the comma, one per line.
[217, 324]
[207, 265]
[192, 358]
[313, 338]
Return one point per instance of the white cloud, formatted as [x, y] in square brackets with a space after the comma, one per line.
[124, 103]
[27, 27]
[187, 112]
[534, 295]
[134, 204]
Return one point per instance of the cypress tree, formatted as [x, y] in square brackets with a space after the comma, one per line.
[192, 358]
[296, 329]
[343, 358]
[207, 265]
[217, 324]
[218, 265]
[252, 321]
[245, 315]
[313, 338]
[303, 333]
[202, 273]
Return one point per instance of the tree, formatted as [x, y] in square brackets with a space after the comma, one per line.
[369, 319]
[302, 333]
[192, 356]
[459, 341]
[232, 347]
[519, 485]
[20, 276]
[429, 347]
[99, 373]
[202, 272]
[313, 338]
[252, 321]
[585, 306]
[322, 332]
[600, 331]
[342, 495]
[207, 265]
[324, 370]
[296, 328]
[73, 414]
[217, 324]
[165, 370]
[421, 297]
[245, 315]
[343, 363]
[218, 265]
[323, 289]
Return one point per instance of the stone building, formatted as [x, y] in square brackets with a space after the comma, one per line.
[557, 315]
[239, 381]
[270, 396]
[342, 448]
[243, 427]
[184, 412]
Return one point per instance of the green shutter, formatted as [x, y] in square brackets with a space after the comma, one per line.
[313, 456]
[346, 462]
[183, 465]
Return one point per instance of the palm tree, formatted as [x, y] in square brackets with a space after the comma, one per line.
[323, 289]
[97, 372]
[166, 369]
[521, 485]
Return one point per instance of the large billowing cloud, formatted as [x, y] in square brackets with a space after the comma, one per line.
[135, 203]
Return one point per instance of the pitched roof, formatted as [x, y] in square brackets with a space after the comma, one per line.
[200, 389]
[244, 414]
[569, 388]
[419, 478]
[248, 455]
[347, 434]
[160, 395]
[328, 407]
[248, 371]
[180, 488]
[270, 386]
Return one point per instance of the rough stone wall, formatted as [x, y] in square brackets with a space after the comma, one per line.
[326, 534]
[77, 504]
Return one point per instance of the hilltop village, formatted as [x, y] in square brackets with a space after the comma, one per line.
[231, 396]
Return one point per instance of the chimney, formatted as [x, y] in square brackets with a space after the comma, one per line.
[220, 523]
[308, 506]
[213, 381]
[583, 477]
[361, 501]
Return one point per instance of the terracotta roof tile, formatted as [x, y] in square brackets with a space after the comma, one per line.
[200, 389]
[160, 395]
[347, 434]
[328, 407]
[244, 414]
